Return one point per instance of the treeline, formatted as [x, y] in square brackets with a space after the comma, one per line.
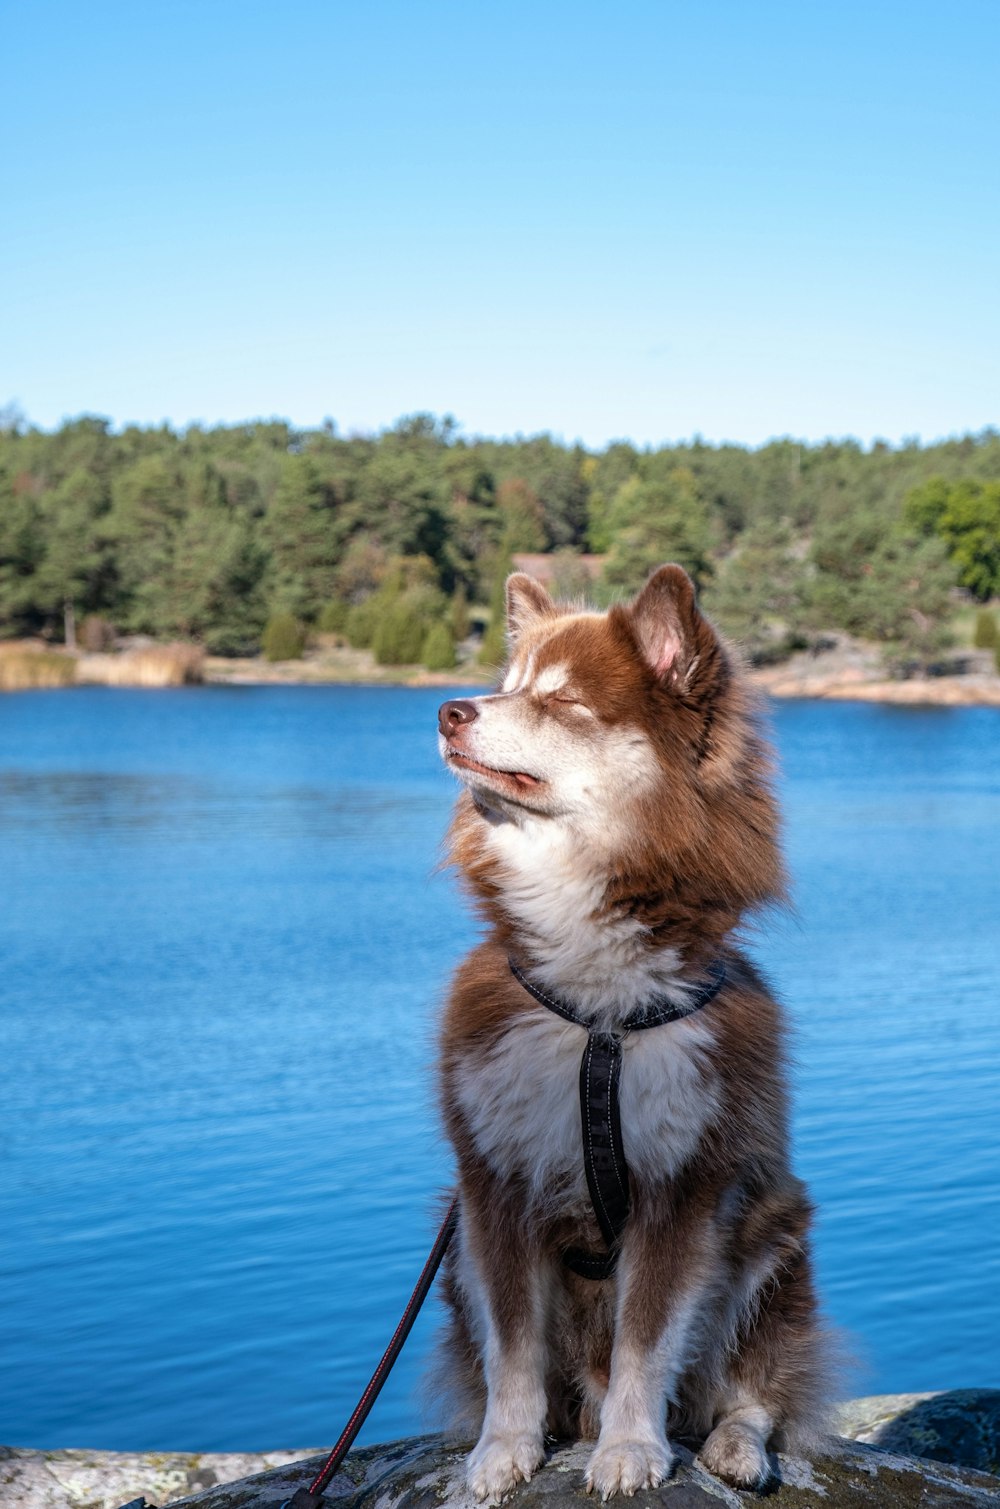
[219, 535]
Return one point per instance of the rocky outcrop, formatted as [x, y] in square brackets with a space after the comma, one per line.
[427, 1473]
[961, 1426]
[910, 1451]
[848, 670]
[974, 690]
[106, 1479]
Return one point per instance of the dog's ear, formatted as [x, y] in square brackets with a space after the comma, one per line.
[671, 632]
[527, 602]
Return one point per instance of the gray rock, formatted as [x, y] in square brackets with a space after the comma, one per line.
[106, 1479]
[883, 1465]
[428, 1472]
[961, 1426]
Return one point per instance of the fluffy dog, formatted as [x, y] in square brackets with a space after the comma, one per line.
[617, 825]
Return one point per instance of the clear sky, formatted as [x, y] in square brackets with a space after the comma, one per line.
[738, 218]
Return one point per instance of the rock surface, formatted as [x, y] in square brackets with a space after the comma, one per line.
[884, 1465]
[106, 1479]
[961, 1426]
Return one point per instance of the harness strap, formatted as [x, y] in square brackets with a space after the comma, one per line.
[604, 1159]
[603, 1151]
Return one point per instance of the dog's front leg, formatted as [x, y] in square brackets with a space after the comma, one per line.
[509, 1280]
[661, 1278]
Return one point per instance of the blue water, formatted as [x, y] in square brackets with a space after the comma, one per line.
[223, 943]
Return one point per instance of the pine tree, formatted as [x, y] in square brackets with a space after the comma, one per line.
[652, 522]
[284, 637]
[438, 652]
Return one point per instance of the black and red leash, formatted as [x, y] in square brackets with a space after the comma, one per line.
[312, 1497]
[607, 1181]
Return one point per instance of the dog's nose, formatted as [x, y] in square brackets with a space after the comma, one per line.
[451, 715]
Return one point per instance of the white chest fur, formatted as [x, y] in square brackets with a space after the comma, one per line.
[553, 883]
[521, 1099]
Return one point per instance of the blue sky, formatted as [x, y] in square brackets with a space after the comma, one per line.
[643, 220]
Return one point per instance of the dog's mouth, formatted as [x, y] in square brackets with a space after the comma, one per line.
[518, 778]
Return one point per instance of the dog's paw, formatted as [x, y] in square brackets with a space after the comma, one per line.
[736, 1453]
[626, 1466]
[500, 1462]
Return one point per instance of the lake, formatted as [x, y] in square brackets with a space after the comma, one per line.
[223, 944]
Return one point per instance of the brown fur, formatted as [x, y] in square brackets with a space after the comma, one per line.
[699, 852]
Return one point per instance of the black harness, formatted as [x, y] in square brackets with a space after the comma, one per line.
[600, 1077]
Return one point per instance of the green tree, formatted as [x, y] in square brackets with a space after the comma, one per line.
[757, 597]
[362, 569]
[22, 548]
[400, 496]
[400, 633]
[146, 513]
[305, 537]
[493, 650]
[438, 652]
[215, 586]
[926, 505]
[651, 522]
[521, 513]
[333, 616]
[362, 621]
[76, 574]
[555, 476]
[192, 532]
[604, 475]
[395, 619]
[985, 635]
[966, 515]
[474, 522]
[889, 585]
[284, 637]
[84, 445]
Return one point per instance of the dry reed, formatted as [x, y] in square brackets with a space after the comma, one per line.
[152, 665]
[23, 668]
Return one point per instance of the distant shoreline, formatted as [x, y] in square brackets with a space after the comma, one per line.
[853, 674]
[785, 682]
[347, 668]
[974, 690]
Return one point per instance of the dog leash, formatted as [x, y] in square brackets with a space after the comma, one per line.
[312, 1497]
[604, 1159]
[607, 1181]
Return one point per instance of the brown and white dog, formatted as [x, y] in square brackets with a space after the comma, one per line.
[617, 825]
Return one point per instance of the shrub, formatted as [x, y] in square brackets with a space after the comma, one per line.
[361, 623]
[399, 637]
[231, 639]
[284, 638]
[438, 653]
[985, 635]
[493, 650]
[333, 616]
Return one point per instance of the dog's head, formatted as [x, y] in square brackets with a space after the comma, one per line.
[596, 712]
[630, 731]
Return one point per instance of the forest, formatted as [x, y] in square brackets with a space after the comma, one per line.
[260, 534]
